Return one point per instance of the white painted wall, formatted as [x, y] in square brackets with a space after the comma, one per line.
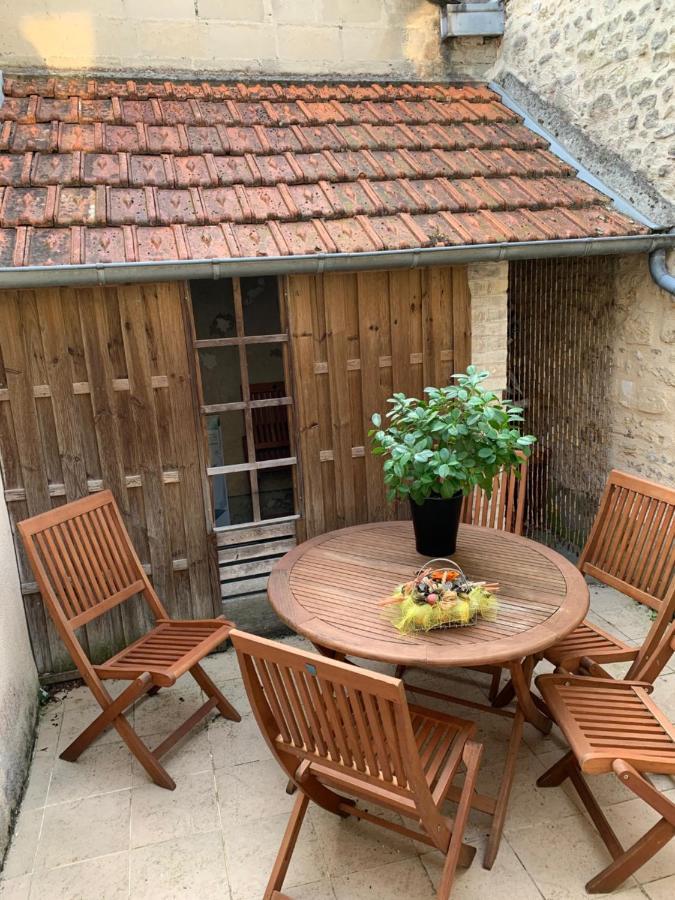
[18, 683]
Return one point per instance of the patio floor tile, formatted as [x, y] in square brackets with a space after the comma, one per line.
[192, 754]
[160, 815]
[562, 856]
[396, 881]
[507, 879]
[233, 743]
[84, 879]
[631, 820]
[350, 846]
[663, 889]
[246, 789]
[15, 888]
[166, 710]
[191, 866]
[20, 857]
[101, 768]
[84, 829]
[251, 847]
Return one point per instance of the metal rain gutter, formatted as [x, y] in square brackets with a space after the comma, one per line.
[180, 270]
[620, 203]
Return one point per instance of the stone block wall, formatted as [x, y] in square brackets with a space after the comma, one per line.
[608, 67]
[643, 374]
[488, 286]
[386, 38]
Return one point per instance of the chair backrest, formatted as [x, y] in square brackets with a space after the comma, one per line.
[341, 717]
[631, 546]
[504, 508]
[84, 561]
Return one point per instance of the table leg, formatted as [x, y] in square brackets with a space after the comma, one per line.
[521, 676]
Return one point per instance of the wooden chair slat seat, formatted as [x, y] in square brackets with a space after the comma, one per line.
[615, 726]
[334, 727]
[605, 720]
[167, 651]
[85, 565]
[587, 640]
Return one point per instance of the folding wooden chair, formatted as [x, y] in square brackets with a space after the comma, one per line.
[336, 728]
[631, 547]
[614, 726]
[85, 565]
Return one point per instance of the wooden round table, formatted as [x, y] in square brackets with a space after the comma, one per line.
[328, 589]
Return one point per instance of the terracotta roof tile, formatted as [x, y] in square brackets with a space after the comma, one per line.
[119, 170]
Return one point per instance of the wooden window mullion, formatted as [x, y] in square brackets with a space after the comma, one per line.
[246, 397]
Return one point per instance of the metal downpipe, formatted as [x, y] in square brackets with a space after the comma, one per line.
[659, 270]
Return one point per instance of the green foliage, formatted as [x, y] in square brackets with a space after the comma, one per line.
[457, 437]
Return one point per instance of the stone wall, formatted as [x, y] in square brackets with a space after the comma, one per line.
[608, 67]
[488, 286]
[18, 684]
[601, 77]
[643, 374]
[396, 38]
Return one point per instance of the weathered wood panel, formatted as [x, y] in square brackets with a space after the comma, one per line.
[355, 339]
[96, 392]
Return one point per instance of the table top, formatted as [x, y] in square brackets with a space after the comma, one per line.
[328, 589]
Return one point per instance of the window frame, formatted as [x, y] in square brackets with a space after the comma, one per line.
[251, 466]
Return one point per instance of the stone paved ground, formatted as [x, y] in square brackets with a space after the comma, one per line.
[99, 830]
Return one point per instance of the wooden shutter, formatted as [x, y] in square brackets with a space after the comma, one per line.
[95, 392]
[355, 340]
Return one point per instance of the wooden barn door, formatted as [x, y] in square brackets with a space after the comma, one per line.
[95, 392]
[355, 340]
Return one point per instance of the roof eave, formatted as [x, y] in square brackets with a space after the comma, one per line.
[181, 270]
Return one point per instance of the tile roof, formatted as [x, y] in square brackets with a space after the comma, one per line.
[101, 171]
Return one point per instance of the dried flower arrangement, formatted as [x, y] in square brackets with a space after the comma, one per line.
[440, 596]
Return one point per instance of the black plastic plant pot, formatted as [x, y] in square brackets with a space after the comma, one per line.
[436, 523]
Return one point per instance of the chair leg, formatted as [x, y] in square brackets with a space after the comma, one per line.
[106, 718]
[288, 843]
[499, 815]
[146, 757]
[558, 772]
[632, 859]
[505, 696]
[225, 708]
[494, 685]
[472, 755]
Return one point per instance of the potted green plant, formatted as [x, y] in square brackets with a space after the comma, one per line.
[438, 449]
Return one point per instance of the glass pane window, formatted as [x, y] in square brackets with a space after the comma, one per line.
[213, 309]
[265, 364]
[260, 303]
[271, 436]
[276, 492]
[226, 438]
[221, 374]
[232, 500]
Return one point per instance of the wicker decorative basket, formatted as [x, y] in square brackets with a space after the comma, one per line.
[440, 596]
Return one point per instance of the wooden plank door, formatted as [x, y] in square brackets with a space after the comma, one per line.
[355, 340]
[95, 392]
